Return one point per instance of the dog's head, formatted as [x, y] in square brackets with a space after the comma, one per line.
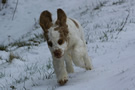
[55, 32]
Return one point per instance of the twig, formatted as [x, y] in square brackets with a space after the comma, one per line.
[124, 23]
[15, 9]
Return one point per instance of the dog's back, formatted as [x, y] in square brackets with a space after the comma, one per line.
[75, 30]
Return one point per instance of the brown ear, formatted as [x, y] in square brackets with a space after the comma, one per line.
[61, 17]
[45, 20]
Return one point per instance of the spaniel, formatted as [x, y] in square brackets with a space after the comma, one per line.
[65, 39]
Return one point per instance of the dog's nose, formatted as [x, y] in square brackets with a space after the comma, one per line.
[57, 53]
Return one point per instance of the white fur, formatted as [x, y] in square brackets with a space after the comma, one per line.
[74, 50]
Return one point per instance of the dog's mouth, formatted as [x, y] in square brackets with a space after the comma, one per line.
[57, 53]
[58, 56]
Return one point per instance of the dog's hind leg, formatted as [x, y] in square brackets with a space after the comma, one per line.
[87, 61]
[77, 57]
[80, 57]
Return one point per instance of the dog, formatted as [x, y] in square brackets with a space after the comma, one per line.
[65, 39]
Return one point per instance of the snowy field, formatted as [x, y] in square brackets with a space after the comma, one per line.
[109, 26]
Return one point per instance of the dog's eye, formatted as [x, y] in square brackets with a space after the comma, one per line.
[50, 43]
[60, 41]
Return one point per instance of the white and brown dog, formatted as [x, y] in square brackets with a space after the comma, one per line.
[66, 42]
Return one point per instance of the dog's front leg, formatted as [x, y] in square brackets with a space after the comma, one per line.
[68, 62]
[60, 71]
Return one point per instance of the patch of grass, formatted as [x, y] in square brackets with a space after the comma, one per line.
[2, 74]
[104, 37]
[84, 11]
[4, 1]
[52, 88]
[101, 4]
[31, 69]
[0, 58]
[36, 24]
[49, 64]
[19, 44]
[13, 87]
[47, 71]
[38, 38]
[123, 23]
[3, 48]
[108, 32]
[35, 84]
[20, 80]
[44, 74]
[119, 2]
[13, 56]
[49, 75]
[35, 41]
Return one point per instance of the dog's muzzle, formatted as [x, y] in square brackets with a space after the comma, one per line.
[57, 53]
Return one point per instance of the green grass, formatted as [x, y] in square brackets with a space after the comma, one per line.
[36, 24]
[119, 2]
[4, 1]
[3, 48]
[101, 4]
[0, 58]
[19, 44]
[22, 79]
[13, 56]
[2, 74]
[34, 41]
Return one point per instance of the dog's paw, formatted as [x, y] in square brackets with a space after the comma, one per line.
[63, 81]
[70, 70]
[88, 68]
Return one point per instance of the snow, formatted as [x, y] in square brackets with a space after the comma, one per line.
[110, 45]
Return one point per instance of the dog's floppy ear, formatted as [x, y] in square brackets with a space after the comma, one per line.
[45, 20]
[61, 17]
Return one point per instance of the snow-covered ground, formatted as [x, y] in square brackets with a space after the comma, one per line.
[25, 60]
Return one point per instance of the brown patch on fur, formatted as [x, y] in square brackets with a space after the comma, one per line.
[45, 22]
[63, 30]
[76, 24]
[61, 17]
[62, 26]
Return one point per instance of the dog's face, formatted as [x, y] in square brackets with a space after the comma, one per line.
[56, 33]
[56, 41]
